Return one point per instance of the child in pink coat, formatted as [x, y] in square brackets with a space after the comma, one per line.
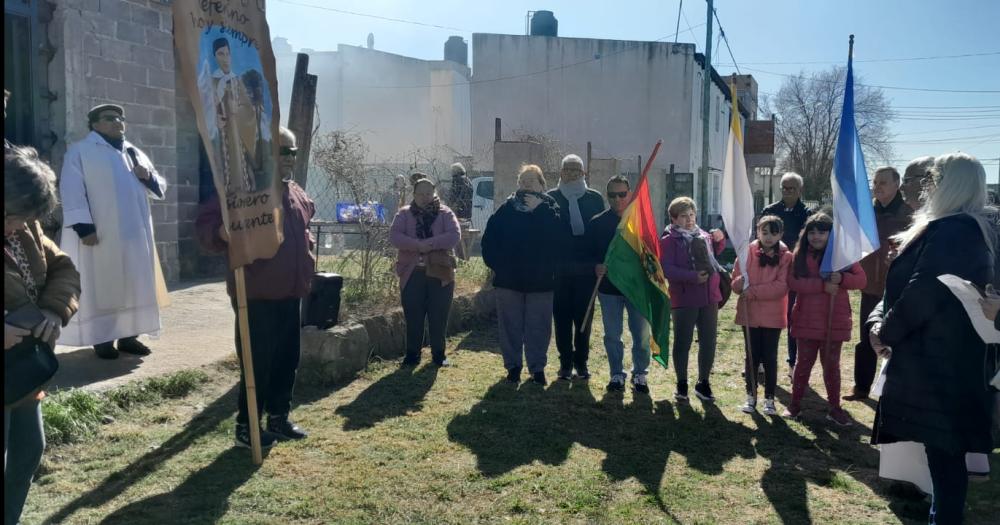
[762, 308]
[811, 315]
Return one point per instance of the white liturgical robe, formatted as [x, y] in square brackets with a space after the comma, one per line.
[120, 276]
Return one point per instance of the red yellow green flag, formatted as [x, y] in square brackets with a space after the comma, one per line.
[633, 262]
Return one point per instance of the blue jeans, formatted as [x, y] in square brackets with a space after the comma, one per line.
[23, 442]
[613, 309]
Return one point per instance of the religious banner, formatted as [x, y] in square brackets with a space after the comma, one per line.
[224, 55]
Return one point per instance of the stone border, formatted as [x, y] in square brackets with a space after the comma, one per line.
[342, 351]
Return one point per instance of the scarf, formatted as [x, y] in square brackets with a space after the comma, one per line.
[768, 260]
[425, 217]
[23, 266]
[573, 191]
[700, 248]
[117, 144]
[524, 205]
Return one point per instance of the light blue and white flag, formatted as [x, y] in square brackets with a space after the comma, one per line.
[855, 233]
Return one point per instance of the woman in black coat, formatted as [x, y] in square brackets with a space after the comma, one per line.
[523, 243]
[936, 389]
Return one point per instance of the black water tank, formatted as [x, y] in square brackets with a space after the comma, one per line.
[544, 23]
[456, 50]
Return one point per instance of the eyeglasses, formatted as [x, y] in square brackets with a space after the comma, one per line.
[113, 118]
[617, 194]
[287, 151]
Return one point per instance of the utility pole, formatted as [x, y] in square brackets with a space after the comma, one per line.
[706, 110]
[677, 30]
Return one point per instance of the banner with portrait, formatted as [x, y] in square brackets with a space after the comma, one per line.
[223, 50]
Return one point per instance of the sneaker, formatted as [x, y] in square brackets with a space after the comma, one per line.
[442, 363]
[106, 351]
[131, 345]
[792, 413]
[639, 384]
[583, 374]
[617, 383]
[769, 408]
[539, 378]
[682, 391]
[750, 406]
[565, 374]
[839, 417]
[514, 375]
[284, 429]
[704, 391]
[267, 439]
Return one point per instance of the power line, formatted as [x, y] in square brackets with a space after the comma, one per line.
[722, 33]
[925, 132]
[870, 60]
[897, 88]
[377, 17]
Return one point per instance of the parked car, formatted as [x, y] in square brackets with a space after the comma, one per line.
[482, 201]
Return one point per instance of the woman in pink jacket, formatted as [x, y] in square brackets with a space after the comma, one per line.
[810, 315]
[762, 307]
[425, 233]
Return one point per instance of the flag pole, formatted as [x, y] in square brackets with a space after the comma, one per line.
[593, 295]
[246, 355]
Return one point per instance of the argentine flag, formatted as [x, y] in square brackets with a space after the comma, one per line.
[854, 234]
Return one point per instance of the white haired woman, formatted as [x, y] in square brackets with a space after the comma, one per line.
[38, 277]
[936, 390]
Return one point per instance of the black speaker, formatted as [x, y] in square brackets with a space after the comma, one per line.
[322, 308]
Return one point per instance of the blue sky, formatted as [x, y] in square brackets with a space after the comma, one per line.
[759, 32]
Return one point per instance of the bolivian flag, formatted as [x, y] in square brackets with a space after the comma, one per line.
[633, 262]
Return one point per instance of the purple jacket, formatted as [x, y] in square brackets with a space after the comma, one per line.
[287, 275]
[685, 292]
[403, 235]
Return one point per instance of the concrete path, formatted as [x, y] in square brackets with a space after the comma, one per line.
[197, 330]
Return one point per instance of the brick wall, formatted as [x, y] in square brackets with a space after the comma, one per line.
[121, 51]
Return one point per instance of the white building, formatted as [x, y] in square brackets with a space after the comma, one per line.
[619, 95]
[401, 106]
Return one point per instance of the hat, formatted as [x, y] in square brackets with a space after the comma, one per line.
[96, 111]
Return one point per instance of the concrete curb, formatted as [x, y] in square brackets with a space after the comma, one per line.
[342, 351]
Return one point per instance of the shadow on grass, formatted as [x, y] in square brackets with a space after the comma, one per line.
[512, 426]
[205, 422]
[188, 502]
[394, 395]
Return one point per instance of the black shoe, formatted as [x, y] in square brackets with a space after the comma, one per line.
[284, 429]
[409, 363]
[514, 375]
[267, 439]
[131, 345]
[682, 391]
[856, 396]
[539, 378]
[565, 374]
[704, 391]
[639, 384]
[442, 363]
[582, 374]
[106, 351]
[617, 383]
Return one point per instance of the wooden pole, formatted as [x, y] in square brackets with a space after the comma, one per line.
[590, 306]
[300, 115]
[244, 323]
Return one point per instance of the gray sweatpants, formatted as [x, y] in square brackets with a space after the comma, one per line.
[23, 442]
[685, 320]
[525, 321]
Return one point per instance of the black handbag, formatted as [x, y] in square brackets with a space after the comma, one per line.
[29, 364]
[322, 307]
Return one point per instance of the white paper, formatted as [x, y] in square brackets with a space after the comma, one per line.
[969, 296]
[880, 379]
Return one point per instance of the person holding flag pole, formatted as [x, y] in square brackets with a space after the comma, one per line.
[632, 264]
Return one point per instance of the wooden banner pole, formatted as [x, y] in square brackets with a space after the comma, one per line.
[243, 319]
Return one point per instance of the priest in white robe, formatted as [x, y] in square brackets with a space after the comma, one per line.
[106, 184]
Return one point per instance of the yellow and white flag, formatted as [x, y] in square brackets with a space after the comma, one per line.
[737, 197]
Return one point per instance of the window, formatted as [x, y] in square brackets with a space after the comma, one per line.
[485, 189]
[25, 75]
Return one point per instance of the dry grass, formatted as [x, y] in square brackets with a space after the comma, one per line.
[460, 446]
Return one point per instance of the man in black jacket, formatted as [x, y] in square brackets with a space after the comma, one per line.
[577, 204]
[600, 232]
[793, 213]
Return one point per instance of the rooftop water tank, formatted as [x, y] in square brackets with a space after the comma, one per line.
[544, 23]
[456, 50]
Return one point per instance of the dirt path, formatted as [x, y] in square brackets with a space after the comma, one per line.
[197, 330]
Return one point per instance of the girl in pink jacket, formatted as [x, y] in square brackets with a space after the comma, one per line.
[762, 308]
[811, 315]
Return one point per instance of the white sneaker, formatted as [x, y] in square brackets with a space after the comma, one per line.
[750, 406]
[769, 408]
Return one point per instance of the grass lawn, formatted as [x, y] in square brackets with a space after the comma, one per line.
[460, 446]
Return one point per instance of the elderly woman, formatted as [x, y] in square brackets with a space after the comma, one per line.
[936, 390]
[35, 273]
[425, 233]
[520, 245]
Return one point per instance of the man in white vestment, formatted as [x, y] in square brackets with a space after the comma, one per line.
[106, 184]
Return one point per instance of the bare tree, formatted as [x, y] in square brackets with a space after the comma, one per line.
[809, 110]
